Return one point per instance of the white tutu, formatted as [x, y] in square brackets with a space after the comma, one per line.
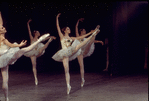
[35, 51]
[8, 57]
[90, 51]
[67, 52]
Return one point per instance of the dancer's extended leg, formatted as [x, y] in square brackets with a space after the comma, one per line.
[81, 63]
[29, 48]
[86, 41]
[5, 77]
[33, 60]
[67, 75]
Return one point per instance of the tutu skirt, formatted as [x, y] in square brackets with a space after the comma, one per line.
[8, 57]
[35, 51]
[67, 52]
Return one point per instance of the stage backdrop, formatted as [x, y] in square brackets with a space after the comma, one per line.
[125, 24]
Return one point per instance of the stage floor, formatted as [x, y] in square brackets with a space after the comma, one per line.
[98, 87]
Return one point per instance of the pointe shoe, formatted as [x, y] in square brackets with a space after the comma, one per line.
[96, 32]
[68, 89]
[43, 37]
[36, 82]
[82, 84]
[97, 27]
[6, 99]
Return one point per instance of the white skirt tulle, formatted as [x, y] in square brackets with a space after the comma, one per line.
[35, 51]
[89, 51]
[67, 52]
[8, 57]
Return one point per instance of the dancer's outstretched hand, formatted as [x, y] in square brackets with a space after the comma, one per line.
[53, 37]
[23, 43]
[100, 42]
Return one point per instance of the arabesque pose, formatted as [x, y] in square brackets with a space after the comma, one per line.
[71, 48]
[86, 50]
[38, 50]
[10, 52]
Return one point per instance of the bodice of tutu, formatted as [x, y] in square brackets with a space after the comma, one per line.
[3, 46]
[7, 55]
[68, 50]
[36, 47]
[65, 42]
[81, 40]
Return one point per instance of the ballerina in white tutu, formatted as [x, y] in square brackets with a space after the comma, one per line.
[10, 52]
[71, 48]
[86, 50]
[38, 50]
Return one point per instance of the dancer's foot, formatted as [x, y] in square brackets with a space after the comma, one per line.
[82, 83]
[97, 31]
[6, 99]
[36, 82]
[68, 89]
[43, 37]
[97, 27]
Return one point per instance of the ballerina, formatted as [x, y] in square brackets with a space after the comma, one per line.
[10, 52]
[38, 50]
[87, 50]
[107, 55]
[71, 48]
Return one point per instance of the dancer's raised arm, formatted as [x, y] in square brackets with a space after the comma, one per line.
[97, 41]
[77, 32]
[58, 27]
[83, 36]
[1, 21]
[29, 30]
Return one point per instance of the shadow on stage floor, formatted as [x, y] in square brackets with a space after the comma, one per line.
[98, 87]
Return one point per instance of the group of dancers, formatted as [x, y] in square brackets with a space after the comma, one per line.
[78, 47]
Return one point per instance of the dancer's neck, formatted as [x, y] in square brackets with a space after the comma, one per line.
[36, 38]
[66, 34]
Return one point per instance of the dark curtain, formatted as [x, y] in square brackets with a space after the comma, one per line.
[130, 33]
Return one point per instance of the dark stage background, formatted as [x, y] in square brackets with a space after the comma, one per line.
[125, 24]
